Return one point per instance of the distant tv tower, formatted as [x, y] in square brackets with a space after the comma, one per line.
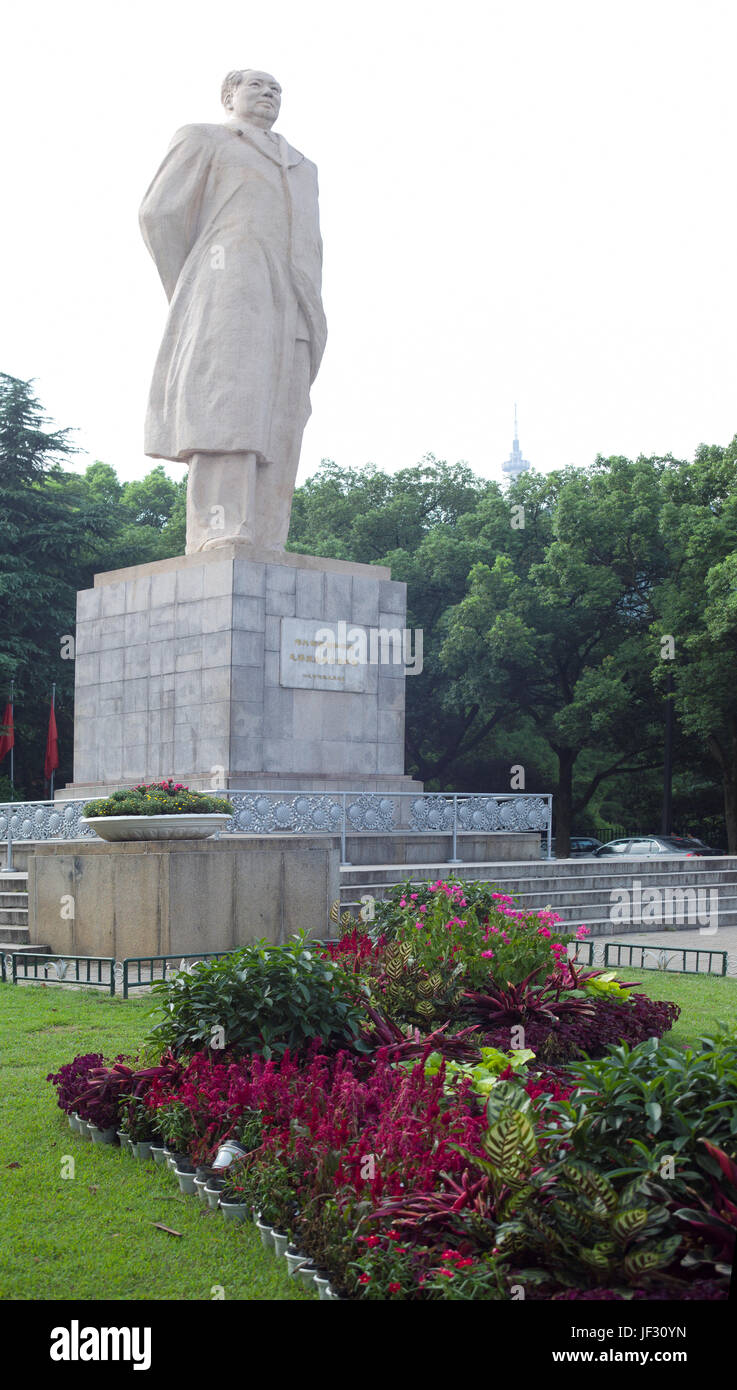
[515, 465]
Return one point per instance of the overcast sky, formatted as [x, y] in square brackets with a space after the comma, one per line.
[528, 200]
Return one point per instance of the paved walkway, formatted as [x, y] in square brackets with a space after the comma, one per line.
[665, 947]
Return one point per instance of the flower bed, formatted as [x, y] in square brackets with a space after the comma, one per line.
[421, 1125]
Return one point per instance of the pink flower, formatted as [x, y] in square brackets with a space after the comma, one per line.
[394, 1288]
[413, 896]
[402, 902]
[543, 931]
[581, 932]
[487, 955]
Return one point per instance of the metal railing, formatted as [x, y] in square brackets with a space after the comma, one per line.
[664, 955]
[129, 972]
[271, 812]
[95, 971]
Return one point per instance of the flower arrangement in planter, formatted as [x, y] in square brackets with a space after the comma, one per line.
[157, 810]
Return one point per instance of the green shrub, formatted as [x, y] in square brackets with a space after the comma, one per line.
[157, 799]
[261, 999]
[642, 1111]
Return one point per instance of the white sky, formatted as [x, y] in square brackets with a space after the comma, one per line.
[528, 200]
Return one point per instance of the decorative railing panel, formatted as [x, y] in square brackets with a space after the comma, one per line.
[271, 812]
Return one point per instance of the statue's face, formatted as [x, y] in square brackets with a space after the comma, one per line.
[258, 99]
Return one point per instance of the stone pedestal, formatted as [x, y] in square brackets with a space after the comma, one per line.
[202, 668]
[164, 897]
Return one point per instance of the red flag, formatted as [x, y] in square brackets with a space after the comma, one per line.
[52, 747]
[8, 738]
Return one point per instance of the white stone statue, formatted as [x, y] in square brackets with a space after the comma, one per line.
[231, 220]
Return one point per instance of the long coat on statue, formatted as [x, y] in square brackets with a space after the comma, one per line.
[231, 220]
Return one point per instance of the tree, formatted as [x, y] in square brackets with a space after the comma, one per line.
[556, 627]
[48, 527]
[696, 606]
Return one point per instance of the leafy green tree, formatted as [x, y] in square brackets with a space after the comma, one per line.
[49, 530]
[556, 626]
[697, 608]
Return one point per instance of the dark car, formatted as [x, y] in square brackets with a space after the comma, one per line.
[652, 846]
[580, 844]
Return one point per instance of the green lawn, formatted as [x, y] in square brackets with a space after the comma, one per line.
[91, 1236]
[705, 1000]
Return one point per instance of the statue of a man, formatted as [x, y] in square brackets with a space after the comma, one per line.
[231, 220]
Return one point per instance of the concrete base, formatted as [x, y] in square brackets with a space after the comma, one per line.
[170, 896]
[386, 850]
[204, 668]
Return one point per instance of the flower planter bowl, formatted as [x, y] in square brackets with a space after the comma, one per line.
[102, 1136]
[192, 826]
[235, 1211]
[186, 1179]
[125, 1143]
[84, 1129]
[73, 1120]
[267, 1235]
[142, 1150]
[158, 1153]
[322, 1286]
[200, 1184]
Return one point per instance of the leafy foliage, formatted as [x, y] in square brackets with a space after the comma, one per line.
[157, 799]
[260, 999]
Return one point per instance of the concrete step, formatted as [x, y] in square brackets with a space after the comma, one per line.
[16, 939]
[528, 874]
[581, 893]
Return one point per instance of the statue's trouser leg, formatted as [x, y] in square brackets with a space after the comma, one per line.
[221, 500]
[275, 481]
[232, 497]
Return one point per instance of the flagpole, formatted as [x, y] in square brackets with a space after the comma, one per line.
[12, 746]
[51, 783]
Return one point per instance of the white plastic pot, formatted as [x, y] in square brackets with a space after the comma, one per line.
[267, 1235]
[234, 1211]
[281, 1241]
[186, 1182]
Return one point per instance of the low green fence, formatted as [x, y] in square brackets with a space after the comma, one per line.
[665, 951]
[23, 966]
[141, 971]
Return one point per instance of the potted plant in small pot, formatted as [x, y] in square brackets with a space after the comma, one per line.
[237, 1193]
[70, 1082]
[174, 1122]
[274, 1198]
[137, 1126]
[157, 811]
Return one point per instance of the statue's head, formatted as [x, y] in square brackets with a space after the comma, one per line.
[253, 96]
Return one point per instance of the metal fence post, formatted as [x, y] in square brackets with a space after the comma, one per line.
[454, 853]
[344, 817]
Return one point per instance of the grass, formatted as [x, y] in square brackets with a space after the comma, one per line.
[705, 1000]
[90, 1235]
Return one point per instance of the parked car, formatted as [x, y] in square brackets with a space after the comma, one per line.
[652, 846]
[580, 845]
